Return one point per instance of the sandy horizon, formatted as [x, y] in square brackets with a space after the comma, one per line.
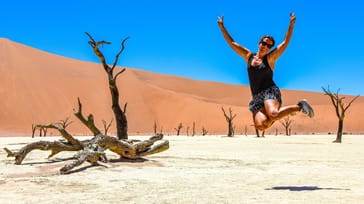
[200, 169]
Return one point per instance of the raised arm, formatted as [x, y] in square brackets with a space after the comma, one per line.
[242, 51]
[278, 51]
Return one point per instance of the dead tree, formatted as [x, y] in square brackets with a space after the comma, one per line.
[204, 131]
[43, 130]
[34, 128]
[287, 125]
[178, 129]
[92, 150]
[120, 117]
[193, 128]
[65, 123]
[340, 110]
[155, 127]
[229, 119]
[106, 126]
[257, 132]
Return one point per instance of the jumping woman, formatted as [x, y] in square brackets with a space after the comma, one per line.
[266, 97]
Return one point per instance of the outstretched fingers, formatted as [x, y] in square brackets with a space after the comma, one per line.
[220, 19]
[292, 17]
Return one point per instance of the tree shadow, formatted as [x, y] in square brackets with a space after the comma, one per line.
[50, 161]
[305, 188]
[113, 162]
[101, 164]
[55, 160]
[85, 167]
[125, 160]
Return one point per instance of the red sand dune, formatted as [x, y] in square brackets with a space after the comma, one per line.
[39, 88]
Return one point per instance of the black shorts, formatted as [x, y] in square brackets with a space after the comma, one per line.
[258, 99]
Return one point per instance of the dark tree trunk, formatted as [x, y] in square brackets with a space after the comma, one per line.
[120, 117]
[231, 130]
[339, 131]
[193, 129]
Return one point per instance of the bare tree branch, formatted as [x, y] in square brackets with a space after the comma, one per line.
[89, 122]
[119, 73]
[121, 50]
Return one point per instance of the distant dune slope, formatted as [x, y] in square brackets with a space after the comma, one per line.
[39, 87]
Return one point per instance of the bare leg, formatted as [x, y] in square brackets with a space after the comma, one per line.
[272, 112]
[275, 112]
[261, 120]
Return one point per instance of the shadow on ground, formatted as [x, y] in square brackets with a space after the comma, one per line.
[304, 188]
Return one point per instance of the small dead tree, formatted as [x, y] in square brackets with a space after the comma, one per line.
[43, 130]
[340, 110]
[229, 119]
[155, 127]
[204, 131]
[188, 130]
[257, 132]
[193, 128]
[287, 123]
[178, 129]
[65, 123]
[120, 114]
[34, 128]
[106, 126]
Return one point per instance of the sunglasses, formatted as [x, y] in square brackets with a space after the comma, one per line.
[266, 44]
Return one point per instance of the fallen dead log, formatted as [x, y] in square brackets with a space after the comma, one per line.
[92, 150]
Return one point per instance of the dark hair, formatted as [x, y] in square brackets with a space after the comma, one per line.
[269, 37]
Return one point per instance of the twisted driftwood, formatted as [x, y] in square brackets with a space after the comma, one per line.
[92, 150]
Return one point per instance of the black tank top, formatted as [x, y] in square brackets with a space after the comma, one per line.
[261, 76]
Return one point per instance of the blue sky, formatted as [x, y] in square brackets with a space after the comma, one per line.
[182, 37]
